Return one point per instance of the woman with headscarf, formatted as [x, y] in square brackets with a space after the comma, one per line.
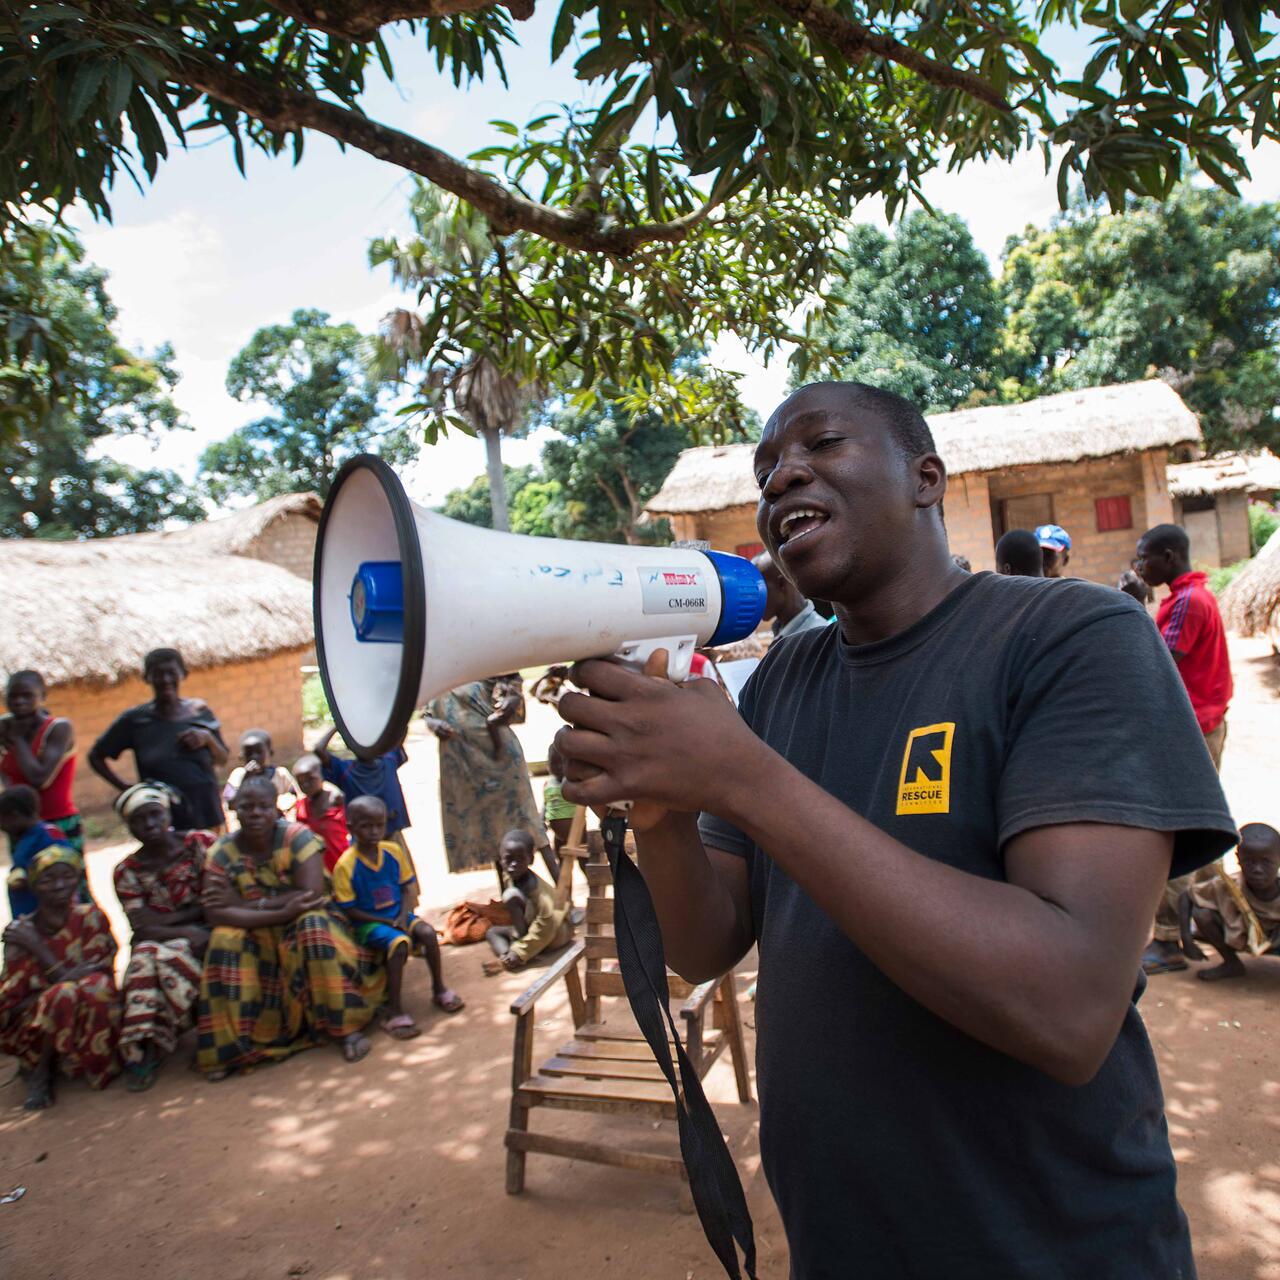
[159, 885]
[174, 740]
[283, 971]
[484, 781]
[59, 1007]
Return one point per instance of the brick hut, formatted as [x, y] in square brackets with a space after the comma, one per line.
[233, 595]
[1093, 461]
[1211, 501]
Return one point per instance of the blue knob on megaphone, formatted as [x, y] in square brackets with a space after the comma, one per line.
[377, 602]
[742, 597]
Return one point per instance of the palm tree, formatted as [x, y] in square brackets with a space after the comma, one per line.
[492, 389]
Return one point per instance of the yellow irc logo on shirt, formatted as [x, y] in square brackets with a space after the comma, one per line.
[925, 785]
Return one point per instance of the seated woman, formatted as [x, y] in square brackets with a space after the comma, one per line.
[158, 885]
[282, 972]
[59, 1007]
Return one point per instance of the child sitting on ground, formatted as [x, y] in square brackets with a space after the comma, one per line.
[255, 757]
[374, 886]
[20, 821]
[321, 808]
[557, 812]
[537, 924]
[1236, 914]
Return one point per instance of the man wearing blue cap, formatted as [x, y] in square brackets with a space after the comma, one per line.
[1055, 547]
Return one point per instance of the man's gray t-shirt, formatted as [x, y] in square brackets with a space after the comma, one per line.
[897, 1147]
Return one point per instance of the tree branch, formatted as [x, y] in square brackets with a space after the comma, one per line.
[284, 109]
[857, 42]
[360, 20]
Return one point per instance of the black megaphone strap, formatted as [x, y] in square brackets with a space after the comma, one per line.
[713, 1177]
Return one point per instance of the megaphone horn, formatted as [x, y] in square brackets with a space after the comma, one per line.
[410, 604]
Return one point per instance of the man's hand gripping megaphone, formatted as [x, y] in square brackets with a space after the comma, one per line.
[636, 736]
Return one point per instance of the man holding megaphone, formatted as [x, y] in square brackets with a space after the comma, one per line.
[947, 847]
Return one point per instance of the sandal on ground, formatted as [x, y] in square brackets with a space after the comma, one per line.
[39, 1095]
[140, 1076]
[449, 1001]
[401, 1027]
[355, 1047]
[1173, 964]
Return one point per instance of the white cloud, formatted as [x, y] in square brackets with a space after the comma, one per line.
[458, 459]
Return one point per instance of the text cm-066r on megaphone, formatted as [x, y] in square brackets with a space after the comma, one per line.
[409, 604]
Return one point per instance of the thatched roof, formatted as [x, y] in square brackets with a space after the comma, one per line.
[235, 534]
[1251, 604]
[88, 611]
[1227, 472]
[1097, 422]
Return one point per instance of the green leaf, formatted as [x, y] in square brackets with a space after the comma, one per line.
[84, 89]
[562, 32]
[653, 183]
[119, 87]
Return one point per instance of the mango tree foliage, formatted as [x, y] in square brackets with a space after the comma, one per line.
[313, 374]
[69, 390]
[773, 120]
[1186, 289]
[916, 313]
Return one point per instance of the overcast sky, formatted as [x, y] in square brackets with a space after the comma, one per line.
[203, 257]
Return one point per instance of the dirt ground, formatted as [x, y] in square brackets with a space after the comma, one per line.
[394, 1167]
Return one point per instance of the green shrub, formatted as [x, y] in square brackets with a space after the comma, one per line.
[315, 706]
[1220, 579]
[1263, 522]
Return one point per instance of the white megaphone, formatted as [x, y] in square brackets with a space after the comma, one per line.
[410, 604]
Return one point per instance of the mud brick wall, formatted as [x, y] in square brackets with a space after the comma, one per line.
[263, 694]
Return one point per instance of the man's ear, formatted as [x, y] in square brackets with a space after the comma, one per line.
[931, 480]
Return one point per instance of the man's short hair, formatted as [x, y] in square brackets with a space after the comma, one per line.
[254, 782]
[1020, 550]
[25, 677]
[906, 423]
[1167, 537]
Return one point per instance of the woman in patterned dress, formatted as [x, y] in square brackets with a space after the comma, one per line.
[59, 1007]
[484, 781]
[282, 972]
[159, 890]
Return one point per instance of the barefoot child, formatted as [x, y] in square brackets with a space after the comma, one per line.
[1238, 915]
[255, 757]
[321, 808]
[374, 886]
[537, 924]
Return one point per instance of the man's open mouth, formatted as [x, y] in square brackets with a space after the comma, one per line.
[799, 524]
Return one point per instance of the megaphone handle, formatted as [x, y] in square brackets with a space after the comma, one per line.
[680, 651]
[636, 653]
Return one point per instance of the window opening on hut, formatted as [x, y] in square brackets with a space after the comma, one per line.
[1199, 502]
[1113, 513]
[1028, 511]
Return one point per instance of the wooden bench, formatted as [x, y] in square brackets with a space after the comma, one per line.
[607, 1066]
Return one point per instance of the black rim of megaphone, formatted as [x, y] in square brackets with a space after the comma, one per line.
[413, 650]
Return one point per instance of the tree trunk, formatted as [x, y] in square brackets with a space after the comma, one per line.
[497, 481]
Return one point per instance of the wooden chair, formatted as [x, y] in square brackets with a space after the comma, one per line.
[607, 1066]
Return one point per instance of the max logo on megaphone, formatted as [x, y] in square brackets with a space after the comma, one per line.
[409, 604]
